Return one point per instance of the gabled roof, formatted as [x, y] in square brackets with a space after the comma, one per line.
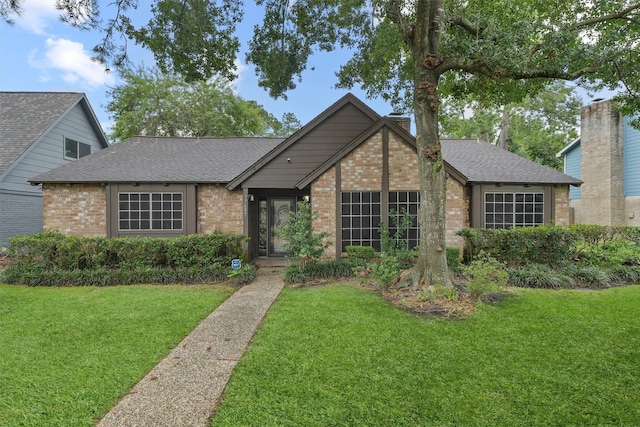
[568, 148]
[304, 131]
[166, 160]
[25, 117]
[481, 162]
[466, 160]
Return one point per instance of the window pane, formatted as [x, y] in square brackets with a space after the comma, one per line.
[70, 148]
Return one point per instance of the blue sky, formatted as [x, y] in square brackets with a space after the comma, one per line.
[39, 53]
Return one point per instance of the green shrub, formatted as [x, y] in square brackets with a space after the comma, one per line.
[301, 242]
[538, 276]
[484, 274]
[548, 245]
[454, 259]
[387, 270]
[50, 259]
[305, 272]
[360, 254]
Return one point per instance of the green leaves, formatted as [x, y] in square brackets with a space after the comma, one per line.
[149, 102]
[193, 38]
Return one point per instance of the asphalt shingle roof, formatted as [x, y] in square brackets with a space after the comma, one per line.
[483, 162]
[172, 160]
[25, 116]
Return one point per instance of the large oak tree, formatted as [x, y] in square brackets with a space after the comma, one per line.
[495, 51]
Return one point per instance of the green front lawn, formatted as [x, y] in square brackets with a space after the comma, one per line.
[68, 354]
[340, 355]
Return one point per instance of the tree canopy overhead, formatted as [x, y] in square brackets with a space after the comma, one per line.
[412, 52]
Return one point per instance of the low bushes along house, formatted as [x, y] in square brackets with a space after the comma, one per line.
[352, 164]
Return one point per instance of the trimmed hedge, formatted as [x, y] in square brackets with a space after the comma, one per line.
[51, 259]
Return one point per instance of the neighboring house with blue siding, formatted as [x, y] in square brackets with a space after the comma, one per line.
[606, 158]
[39, 131]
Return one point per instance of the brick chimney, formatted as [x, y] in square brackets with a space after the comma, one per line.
[403, 121]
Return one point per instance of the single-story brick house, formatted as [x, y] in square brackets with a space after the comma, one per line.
[351, 163]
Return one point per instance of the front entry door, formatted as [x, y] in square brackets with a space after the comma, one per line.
[278, 212]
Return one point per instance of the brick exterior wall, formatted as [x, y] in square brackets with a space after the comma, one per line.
[78, 210]
[403, 165]
[562, 214]
[362, 169]
[219, 209]
[457, 208]
[323, 201]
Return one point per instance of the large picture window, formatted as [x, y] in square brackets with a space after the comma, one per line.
[150, 211]
[517, 209]
[362, 217]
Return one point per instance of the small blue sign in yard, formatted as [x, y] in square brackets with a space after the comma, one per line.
[236, 264]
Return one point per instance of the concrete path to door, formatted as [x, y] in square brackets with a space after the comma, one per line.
[185, 387]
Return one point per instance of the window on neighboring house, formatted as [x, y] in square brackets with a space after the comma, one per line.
[517, 209]
[75, 150]
[362, 216]
[150, 211]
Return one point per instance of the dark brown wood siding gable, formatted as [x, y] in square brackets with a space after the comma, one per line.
[312, 150]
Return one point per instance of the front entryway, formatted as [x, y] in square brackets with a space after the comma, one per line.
[273, 213]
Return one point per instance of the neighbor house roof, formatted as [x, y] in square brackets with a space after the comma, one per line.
[170, 160]
[25, 117]
[568, 148]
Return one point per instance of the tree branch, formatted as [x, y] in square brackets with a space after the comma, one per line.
[478, 66]
[394, 13]
[462, 22]
[623, 14]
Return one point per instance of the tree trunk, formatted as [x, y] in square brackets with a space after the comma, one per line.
[504, 128]
[431, 267]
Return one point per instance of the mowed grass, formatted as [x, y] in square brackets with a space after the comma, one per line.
[67, 355]
[341, 356]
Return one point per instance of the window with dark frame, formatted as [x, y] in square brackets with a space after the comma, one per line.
[513, 209]
[361, 217]
[150, 211]
[75, 150]
[406, 202]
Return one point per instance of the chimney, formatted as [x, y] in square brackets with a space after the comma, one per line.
[403, 121]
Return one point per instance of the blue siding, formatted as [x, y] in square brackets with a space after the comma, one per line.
[631, 159]
[572, 168]
[48, 152]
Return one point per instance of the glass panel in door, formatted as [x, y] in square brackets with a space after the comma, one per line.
[279, 211]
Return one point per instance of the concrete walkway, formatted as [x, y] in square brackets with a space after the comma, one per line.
[184, 388]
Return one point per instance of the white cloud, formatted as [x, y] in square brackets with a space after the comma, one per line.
[37, 15]
[73, 64]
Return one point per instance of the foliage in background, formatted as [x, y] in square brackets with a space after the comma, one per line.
[49, 258]
[536, 127]
[149, 102]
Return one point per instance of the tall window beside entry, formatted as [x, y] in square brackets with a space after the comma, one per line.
[150, 211]
[74, 149]
[506, 210]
